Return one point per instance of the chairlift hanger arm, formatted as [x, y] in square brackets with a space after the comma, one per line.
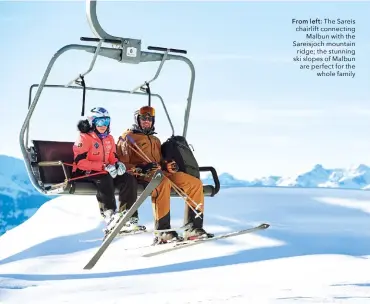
[94, 23]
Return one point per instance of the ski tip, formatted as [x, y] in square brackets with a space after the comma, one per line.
[87, 267]
[265, 225]
[90, 265]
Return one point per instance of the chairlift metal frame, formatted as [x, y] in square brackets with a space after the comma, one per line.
[126, 50]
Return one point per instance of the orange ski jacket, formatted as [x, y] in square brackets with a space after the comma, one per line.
[91, 153]
[149, 144]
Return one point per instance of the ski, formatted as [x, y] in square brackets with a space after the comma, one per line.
[157, 178]
[184, 244]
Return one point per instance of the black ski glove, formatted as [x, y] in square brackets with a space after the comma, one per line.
[145, 168]
[169, 166]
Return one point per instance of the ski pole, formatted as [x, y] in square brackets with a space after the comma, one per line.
[91, 174]
[173, 184]
[178, 190]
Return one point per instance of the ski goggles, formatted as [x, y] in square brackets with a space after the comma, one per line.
[147, 110]
[146, 117]
[101, 121]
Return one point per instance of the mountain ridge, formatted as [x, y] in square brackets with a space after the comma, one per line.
[356, 177]
[19, 200]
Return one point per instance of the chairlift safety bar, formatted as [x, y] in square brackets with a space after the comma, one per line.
[92, 89]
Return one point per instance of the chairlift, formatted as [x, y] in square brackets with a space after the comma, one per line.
[42, 157]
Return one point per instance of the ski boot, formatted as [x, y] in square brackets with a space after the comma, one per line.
[196, 234]
[111, 218]
[132, 226]
[166, 237]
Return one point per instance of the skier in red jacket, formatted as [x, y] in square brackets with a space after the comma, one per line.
[95, 151]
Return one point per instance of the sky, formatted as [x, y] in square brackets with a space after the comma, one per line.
[254, 112]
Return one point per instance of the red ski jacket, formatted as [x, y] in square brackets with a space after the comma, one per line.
[91, 153]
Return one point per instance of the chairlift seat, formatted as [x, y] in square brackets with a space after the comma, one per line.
[54, 151]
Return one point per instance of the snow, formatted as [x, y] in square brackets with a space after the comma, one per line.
[316, 251]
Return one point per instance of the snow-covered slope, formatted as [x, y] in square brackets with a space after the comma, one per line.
[18, 198]
[351, 178]
[316, 251]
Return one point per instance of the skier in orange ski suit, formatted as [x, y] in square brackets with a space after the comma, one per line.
[142, 133]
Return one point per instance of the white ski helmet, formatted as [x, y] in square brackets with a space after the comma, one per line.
[96, 113]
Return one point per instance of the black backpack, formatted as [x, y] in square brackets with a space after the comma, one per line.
[177, 148]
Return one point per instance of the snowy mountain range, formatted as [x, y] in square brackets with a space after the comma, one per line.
[19, 200]
[319, 177]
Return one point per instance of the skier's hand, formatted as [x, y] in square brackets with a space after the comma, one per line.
[172, 167]
[111, 169]
[121, 168]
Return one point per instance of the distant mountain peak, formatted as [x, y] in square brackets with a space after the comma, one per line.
[318, 166]
[227, 175]
[362, 167]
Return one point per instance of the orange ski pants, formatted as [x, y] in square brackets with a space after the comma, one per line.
[161, 196]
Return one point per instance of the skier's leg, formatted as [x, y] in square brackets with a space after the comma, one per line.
[161, 205]
[105, 197]
[101, 205]
[105, 192]
[127, 185]
[193, 187]
[161, 197]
